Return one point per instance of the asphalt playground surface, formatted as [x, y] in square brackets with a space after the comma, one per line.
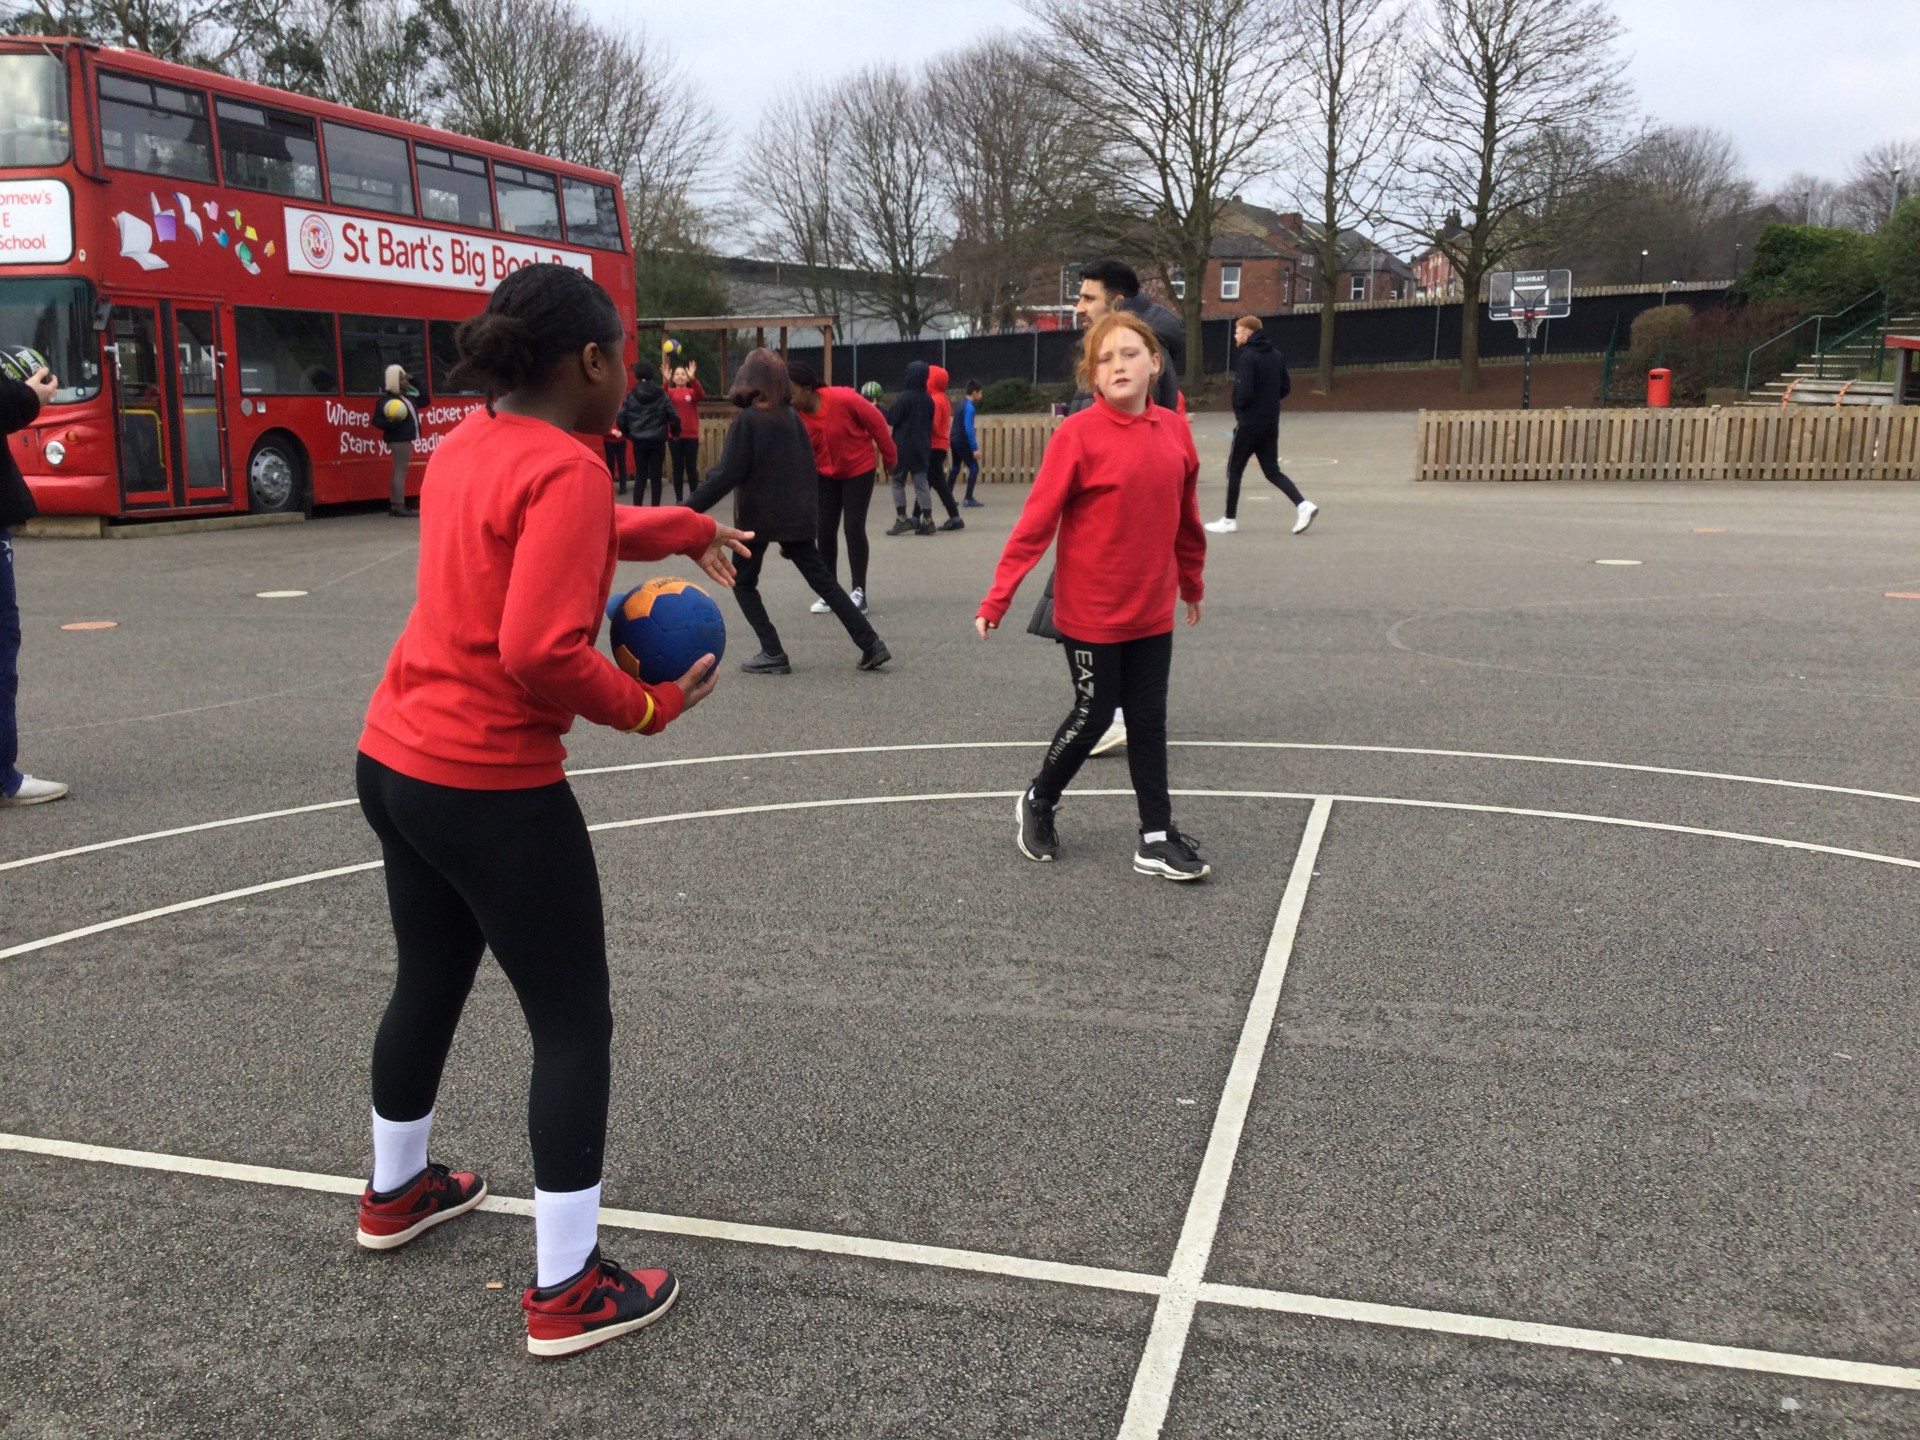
[1539, 1061]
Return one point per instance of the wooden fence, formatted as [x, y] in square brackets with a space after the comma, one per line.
[1010, 445]
[1723, 443]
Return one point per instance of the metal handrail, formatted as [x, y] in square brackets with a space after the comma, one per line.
[1875, 321]
[1817, 321]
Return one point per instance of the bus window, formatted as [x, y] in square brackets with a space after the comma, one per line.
[528, 205]
[446, 355]
[453, 187]
[156, 129]
[54, 314]
[268, 150]
[368, 170]
[592, 217]
[285, 352]
[34, 128]
[370, 343]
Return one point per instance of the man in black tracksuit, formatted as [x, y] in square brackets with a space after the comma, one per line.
[912, 420]
[1260, 383]
[1108, 285]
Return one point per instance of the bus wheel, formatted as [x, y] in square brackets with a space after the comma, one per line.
[273, 476]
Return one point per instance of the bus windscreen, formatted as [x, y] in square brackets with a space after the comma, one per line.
[54, 315]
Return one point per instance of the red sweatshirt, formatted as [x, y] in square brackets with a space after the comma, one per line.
[686, 404]
[844, 431]
[942, 409]
[1121, 492]
[518, 539]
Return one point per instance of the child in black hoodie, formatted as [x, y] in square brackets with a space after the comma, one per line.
[648, 419]
[912, 420]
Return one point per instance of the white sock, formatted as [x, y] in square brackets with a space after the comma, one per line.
[399, 1150]
[1153, 837]
[566, 1227]
[1119, 716]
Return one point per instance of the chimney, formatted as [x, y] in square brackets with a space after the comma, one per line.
[1291, 221]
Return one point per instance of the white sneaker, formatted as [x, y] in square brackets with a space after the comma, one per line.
[1115, 737]
[820, 607]
[1222, 526]
[1307, 511]
[34, 792]
[859, 597]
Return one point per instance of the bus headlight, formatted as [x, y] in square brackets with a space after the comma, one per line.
[55, 452]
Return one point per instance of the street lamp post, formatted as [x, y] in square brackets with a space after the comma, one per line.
[1641, 276]
[1896, 193]
[1736, 259]
[1806, 207]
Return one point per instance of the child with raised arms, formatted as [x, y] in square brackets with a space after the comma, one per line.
[1117, 487]
[459, 774]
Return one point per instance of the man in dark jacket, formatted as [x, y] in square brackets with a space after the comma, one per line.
[20, 402]
[912, 420]
[1260, 383]
[1108, 285]
[648, 419]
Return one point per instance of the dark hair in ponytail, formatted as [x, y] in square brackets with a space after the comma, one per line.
[540, 314]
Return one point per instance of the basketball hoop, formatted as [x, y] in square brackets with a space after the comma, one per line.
[1529, 298]
[1527, 324]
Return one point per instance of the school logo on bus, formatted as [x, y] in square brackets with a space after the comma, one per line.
[316, 242]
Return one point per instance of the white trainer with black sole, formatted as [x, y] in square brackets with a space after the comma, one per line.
[1307, 511]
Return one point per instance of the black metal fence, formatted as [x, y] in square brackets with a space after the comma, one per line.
[1408, 333]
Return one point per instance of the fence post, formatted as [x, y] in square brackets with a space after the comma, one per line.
[1036, 357]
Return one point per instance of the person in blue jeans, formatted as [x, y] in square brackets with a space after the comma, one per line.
[20, 402]
[966, 443]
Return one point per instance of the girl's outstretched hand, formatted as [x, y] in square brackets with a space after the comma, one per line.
[698, 682]
[983, 627]
[716, 559]
[1193, 612]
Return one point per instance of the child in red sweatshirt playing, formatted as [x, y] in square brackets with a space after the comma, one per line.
[459, 775]
[1118, 486]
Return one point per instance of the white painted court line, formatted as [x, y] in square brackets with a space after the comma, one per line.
[693, 760]
[1018, 1267]
[1564, 1337]
[180, 907]
[1167, 1341]
[1773, 1362]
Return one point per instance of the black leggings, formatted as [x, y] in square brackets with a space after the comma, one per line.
[686, 466]
[1260, 443]
[649, 456]
[617, 462]
[845, 500]
[1130, 676]
[511, 871]
[805, 555]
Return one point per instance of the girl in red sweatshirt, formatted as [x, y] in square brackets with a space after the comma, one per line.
[1117, 486]
[459, 775]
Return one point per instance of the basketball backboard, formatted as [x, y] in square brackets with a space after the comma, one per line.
[1529, 294]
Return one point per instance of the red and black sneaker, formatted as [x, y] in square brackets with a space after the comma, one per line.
[601, 1302]
[433, 1197]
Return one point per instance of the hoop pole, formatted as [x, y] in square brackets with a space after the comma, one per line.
[1526, 363]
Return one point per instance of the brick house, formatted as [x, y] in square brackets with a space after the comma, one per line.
[1433, 272]
[1245, 276]
[1365, 270]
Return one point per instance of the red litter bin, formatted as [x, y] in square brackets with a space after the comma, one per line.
[1659, 389]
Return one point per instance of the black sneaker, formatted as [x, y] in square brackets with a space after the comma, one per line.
[1035, 837]
[602, 1301]
[954, 522]
[1173, 858]
[902, 526]
[875, 655]
[765, 664]
[926, 526]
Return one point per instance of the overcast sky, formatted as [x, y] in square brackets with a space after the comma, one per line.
[1799, 84]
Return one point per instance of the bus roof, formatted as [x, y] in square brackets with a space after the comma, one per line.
[138, 61]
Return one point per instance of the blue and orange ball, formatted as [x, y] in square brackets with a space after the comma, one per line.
[660, 629]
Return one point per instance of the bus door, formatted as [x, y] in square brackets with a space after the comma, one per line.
[166, 369]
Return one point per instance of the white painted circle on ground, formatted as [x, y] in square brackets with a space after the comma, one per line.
[280, 594]
[1308, 460]
[1616, 562]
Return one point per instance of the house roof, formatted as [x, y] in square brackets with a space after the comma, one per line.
[1231, 245]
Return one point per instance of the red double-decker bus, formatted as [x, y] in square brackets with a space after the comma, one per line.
[220, 273]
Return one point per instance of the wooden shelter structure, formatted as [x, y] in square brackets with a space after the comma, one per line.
[759, 324]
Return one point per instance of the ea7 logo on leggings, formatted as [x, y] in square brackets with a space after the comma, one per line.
[1083, 670]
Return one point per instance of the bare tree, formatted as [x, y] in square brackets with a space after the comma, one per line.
[895, 214]
[790, 178]
[1016, 171]
[1523, 101]
[1880, 173]
[1803, 199]
[1354, 133]
[254, 38]
[1184, 99]
[378, 55]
